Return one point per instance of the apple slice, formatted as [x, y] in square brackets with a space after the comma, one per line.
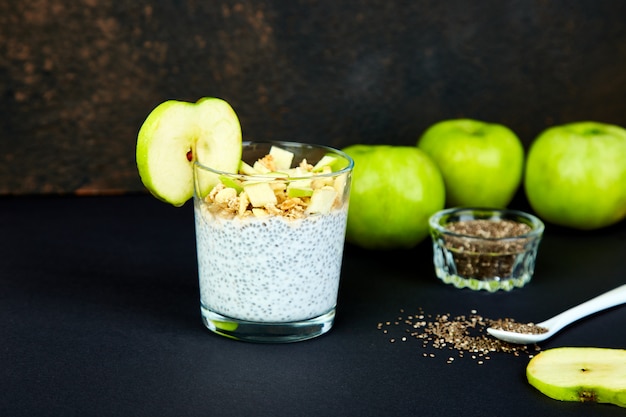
[177, 133]
[580, 374]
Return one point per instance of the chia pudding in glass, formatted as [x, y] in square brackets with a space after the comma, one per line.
[270, 241]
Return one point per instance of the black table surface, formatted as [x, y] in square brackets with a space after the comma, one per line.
[100, 316]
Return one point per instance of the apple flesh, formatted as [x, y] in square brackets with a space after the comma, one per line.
[322, 200]
[334, 162]
[576, 175]
[175, 135]
[481, 163]
[584, 374]
[282, 158]
[300, 188]
[260, 194]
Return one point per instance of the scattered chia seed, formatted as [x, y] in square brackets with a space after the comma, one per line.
[461, 334]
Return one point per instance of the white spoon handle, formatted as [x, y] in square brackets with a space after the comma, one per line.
[609, 299]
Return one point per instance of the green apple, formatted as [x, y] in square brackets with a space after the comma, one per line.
[582, 374]
[576, 175]
[395, 189]
[177, 133]
[482, 163]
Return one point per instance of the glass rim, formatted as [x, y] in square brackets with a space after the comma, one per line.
[329, 149]
[536, 225]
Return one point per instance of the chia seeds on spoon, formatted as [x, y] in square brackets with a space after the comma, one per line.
[511, 325]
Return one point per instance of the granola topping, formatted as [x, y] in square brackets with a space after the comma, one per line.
[225, 202]
[293, 193]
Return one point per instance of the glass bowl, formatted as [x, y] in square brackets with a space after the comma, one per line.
[485, 249]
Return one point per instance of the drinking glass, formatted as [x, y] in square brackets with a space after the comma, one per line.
[269, 262]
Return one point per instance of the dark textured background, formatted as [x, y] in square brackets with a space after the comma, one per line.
[77, 78]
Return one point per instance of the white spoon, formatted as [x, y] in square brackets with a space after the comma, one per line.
[608, 299]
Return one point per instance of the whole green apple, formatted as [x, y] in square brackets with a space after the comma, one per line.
[576, 175]
[395, 189]
[481, 163]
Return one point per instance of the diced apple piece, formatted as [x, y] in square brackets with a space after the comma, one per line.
[301, 183]
[340, 183]
[282, 158]
[298, 172]
[277, 185]
[322, 181]
[260, 194]
[231, 182]
[334, 162]
[259, 212]
[260, 168]
[299, 192]
[247, 169]
[299, 188]
[326, 161]
[322, 200]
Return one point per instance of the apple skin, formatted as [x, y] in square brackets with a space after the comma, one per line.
[482, 163]
[576, 175]
[395, 189]
[175, 135]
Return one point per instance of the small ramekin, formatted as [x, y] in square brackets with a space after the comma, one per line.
[485, 249]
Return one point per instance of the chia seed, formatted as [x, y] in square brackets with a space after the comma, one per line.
[481, 248]
[461, 334]
[513, 326]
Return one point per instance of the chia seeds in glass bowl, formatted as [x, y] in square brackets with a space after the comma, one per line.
[485, 249]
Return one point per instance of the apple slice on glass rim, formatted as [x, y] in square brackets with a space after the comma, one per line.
[178, 133]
